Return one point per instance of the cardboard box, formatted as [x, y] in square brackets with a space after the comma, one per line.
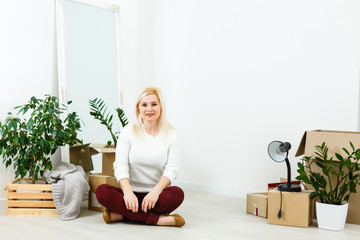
[81, 155]
[296, 208]
[335, 140]
[95, 180]
[257, 204]
[108, 157]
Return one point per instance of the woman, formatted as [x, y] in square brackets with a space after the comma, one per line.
[147, 161]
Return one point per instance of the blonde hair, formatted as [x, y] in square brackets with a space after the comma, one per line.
[163, 126]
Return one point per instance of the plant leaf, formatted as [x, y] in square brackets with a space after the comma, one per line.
[338, 156]
[320, 165]
[352, 146]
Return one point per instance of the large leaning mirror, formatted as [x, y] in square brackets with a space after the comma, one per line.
[88, 63]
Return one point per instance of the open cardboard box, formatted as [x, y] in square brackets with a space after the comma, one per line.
[335, 140]
[108, 157]
[81, 155]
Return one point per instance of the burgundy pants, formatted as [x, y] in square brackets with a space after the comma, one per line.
[113, 198]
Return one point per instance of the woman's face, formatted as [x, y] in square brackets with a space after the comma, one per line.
[150, 108]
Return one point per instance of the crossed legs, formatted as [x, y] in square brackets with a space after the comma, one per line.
[113, 199]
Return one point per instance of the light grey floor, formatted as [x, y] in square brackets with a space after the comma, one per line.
[207, 217]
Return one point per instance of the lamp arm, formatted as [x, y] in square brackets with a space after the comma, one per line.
[288, 171]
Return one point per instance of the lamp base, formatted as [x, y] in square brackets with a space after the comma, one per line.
[289, 188]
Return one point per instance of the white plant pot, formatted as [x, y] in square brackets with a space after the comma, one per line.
[331, 217]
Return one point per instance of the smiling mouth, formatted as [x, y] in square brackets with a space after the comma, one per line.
[149, 114]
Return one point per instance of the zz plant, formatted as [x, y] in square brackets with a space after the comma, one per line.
[99, 110]
[336, 179]
[28, 144]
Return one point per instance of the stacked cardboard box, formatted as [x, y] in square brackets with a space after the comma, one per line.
[95, 180]
[108, 157]
[106, 176]
[296, 208]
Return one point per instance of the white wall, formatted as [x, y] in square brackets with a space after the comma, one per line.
[240, 74]
[236, 75]
[27, 59]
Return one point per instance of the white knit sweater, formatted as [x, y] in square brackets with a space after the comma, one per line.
[144, 160]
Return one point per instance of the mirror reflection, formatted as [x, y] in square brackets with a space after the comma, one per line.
[91, 66]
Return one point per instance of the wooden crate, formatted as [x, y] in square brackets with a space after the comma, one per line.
[30, 199]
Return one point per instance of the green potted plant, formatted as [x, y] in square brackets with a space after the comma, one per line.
[99, 110]
[333, 182]
[28, 144]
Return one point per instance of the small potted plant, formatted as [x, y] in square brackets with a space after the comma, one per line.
[333, 182]
[28, 144]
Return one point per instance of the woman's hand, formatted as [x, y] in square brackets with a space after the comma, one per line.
[149, 201]
[131, 202]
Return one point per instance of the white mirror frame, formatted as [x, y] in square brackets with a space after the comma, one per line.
[111, 5]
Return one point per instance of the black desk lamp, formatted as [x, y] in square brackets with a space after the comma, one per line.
[279, 151]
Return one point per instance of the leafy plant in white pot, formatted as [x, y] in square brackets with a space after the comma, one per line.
[334, 180]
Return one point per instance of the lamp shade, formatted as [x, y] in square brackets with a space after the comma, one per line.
[278, 151]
